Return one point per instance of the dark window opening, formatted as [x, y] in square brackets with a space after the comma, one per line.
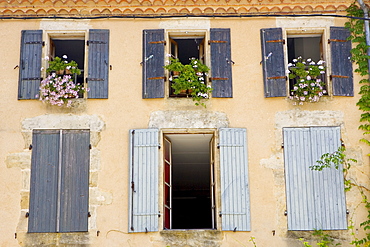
[74, 49]
[185, 49]
[188, 182]
[306, 47]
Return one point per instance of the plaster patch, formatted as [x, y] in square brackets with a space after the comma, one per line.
[182, 24]
[63, 121]
[188, 119]
[22, 160]
[66, 25]
[304, 22]
[299, 118]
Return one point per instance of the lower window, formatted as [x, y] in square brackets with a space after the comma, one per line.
[189, 181]
[315, 199]
[59, 191]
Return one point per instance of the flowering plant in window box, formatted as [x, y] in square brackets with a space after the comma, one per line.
[189, 78]
[60, 86]
[59, 90]
[61, 66]
[309, 86]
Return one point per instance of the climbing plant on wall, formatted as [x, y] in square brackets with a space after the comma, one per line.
[360, 58]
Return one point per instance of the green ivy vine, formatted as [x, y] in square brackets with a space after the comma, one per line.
[360, 58]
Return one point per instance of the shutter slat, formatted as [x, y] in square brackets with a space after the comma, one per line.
[341, 64]
[44, 181]
[221, 63]
[98, 62]
[235, 208]
[75, 181]
[143, 210]
[30, 64]
[315, 199]
[153, 62]
[274, 76]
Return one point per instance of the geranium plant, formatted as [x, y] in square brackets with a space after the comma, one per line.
[190, 78]
[62, 66]
[60, 86]
[308, 87]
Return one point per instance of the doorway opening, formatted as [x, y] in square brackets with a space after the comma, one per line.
[189, 188]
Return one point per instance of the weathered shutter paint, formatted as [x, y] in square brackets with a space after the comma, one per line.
[341, 64]
[153, 62]
[274, 77]
[59, 181]
[30, 64]
[221, 63]
[44, 181]
[315, 199]
[74, 201]
[143, 204]
[235, 207]
[98, 63]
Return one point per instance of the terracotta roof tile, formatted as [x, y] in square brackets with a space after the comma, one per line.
[94, 8]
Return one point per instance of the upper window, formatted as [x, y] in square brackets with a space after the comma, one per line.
[59, 191]
[189, 187]
[72, 45]
[185, 46]
[315, 199]
[274, 59]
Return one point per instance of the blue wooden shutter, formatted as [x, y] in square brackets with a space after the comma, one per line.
[221, 63]
[143, 208]
[30, 64]
[315, 199]
[153, 62]
[44, 181]
[74, 199]
[97, 79]
[274, 77]
[341, 64]
[235, 208]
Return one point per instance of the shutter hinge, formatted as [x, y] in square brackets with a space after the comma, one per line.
[159, 214]
[27, 214]
[30, 147]
[336, 40]
[95, 42]
[234, 229]
[338, 76]
[146, 230]
[88, 214]
[158, 42]
[133, 186]
[220, 214]
[285, 213]
[342, 143]
[90, 147]
[282, 145]
[216, 41]
[218, 145]
[276, 41]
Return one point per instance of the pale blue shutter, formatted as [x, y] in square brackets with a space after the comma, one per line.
[221, 63]
[235, 207]
[74, 199]
[97, 80]
[153, 62]
[274, 77]
[315, 199]
[44, 181]
[30, 64]
[143, 208]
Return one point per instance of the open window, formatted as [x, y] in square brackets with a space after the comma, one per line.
[307, 47]
[184, 47]
[71, 46]
[189, 181]
[274, 58]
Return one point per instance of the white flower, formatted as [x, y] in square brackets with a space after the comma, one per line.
[47, 58]
[42, 68]
[321, 67]
[295, 60]
[309, 60]
[287, 71]
[290, 64]
[65, 56]
[168, 55]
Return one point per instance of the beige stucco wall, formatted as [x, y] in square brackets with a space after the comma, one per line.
[110, 121]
